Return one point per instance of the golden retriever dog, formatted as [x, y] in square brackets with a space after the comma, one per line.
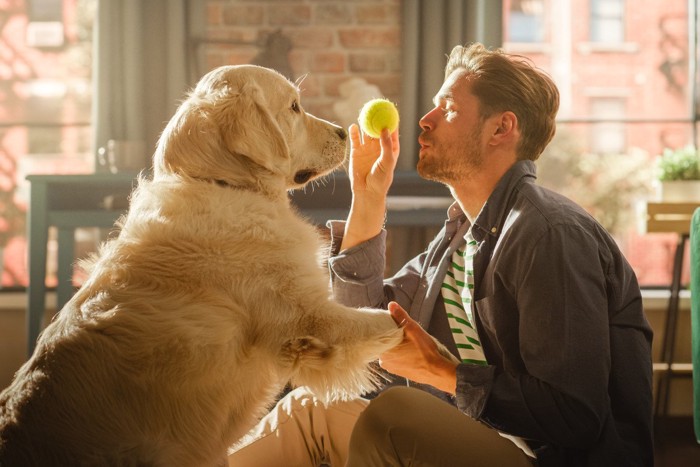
[208, 302]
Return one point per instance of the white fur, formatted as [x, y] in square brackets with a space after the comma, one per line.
[208, 302]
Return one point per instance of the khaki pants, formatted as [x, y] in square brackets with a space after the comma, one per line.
[401, 427]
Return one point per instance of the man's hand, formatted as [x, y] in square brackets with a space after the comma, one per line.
[372, 164]
[418, 357]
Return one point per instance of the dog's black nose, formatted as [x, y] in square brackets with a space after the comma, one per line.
[303, 176]
[342, 133]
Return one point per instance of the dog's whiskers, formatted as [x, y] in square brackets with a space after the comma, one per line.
[300, 80]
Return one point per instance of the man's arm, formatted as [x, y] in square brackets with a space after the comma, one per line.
[372, 164]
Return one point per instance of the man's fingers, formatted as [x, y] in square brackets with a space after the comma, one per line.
[388, 156]
[395, 141]
[388, 141]
[354, 131]
[390, 138]
[385, 137]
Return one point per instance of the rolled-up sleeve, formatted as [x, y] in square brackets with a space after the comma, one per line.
[357, 273]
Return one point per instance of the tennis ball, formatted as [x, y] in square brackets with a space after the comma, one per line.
[378, 114]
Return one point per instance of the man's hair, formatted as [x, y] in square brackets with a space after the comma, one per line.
[504, 82]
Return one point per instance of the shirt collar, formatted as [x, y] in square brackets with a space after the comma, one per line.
[492, 215]
[454, 212]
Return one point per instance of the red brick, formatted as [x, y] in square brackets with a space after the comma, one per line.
[333, 62]
[310, 88]
[299, 61]
[367, 62]
[285, 15]
[238, 35]
[388, 83]
[239, 15]
[311, 38]
[212, 60]
[240, 57]
[378, 14]
[370, 37]
[331, 84]
[213, 14]
[334, 14]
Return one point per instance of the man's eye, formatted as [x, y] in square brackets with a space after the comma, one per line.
[295, 106]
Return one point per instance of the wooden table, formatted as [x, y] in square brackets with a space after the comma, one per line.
[673, 218]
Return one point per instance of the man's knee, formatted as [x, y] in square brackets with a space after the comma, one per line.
[379, 425]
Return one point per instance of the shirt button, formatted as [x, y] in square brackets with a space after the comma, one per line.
[494, 230]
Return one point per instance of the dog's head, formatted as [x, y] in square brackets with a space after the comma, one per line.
[245, 126]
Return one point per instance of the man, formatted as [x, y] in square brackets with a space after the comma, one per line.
[526, 288]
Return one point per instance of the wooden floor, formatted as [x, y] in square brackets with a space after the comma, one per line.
[675, 444]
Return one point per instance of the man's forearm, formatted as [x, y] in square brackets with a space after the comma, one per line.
[365, 221]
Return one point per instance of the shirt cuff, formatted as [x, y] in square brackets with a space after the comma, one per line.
[357, 273]
[473, 387]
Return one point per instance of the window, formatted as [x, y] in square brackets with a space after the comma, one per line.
[525, 21]
[608, 137]
[45, 25]
[607, 21]
[620, 108]
[45, 92]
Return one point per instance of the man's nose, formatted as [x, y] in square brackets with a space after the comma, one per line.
[426, 122]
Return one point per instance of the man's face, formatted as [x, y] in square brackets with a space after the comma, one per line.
[452, 140]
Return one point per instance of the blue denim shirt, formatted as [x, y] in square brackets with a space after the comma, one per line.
[559, 315]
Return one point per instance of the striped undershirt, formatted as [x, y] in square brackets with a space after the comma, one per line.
[457, 290]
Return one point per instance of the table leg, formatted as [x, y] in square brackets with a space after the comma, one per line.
[38, 236]
[66, 250]
[668, 343]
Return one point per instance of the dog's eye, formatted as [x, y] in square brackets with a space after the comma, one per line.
[295, 106]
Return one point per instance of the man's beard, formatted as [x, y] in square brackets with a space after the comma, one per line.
[455, 162]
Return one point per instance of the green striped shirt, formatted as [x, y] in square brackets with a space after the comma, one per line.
[457, 290]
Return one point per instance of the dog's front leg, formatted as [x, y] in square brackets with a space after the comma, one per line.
[333, 352]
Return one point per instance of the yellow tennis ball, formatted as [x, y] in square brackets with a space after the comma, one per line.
[378, 114]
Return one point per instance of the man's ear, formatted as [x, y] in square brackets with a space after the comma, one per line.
[507, 123]
[506, 127]
[249, 129]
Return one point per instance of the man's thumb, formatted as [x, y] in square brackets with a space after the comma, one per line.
[399, 315]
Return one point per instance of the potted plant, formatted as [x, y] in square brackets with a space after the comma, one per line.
[679, 174]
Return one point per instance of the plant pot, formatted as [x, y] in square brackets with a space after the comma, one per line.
[680, 191]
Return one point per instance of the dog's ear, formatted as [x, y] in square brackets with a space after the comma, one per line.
[249, 129]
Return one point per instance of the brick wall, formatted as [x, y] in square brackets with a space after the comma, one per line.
[332, 41]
